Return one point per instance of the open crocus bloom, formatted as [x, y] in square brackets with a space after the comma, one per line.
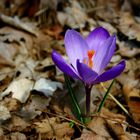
[89, 57]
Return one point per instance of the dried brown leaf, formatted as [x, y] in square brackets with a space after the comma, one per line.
[16, 136]
[129, 26]
[4, 113]
[15, 124]
[54, 129]
[103, 125]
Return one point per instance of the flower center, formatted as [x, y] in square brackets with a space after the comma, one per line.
[90, 54]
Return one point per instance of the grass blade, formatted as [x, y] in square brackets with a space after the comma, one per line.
[116, 101]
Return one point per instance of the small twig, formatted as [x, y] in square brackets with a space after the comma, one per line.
[41, 11]
[70, 120]
[124, 123]
[95, 115]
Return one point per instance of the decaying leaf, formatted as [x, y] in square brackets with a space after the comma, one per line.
[5, 81]
[17, 23]
[12, 104]
[127, 50]
[13, 36]
[28, 108]
[13, 43]
[74, 16]
[16, 124]
[7, 53]
[16, 136]
[129, 26]
[105, 126]
[132, 96]
[47, 87]
[53, 128]
[4, 113]
[36, 105]
[20, 89]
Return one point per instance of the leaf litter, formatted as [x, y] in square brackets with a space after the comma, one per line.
[34, 103]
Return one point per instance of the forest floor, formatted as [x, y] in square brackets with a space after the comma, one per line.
[34, 100]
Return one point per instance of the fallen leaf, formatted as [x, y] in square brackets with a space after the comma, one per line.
[105, 7]
[20, 88]
[16, 136]
[16, 124]
[132, 95]
[5, 82]
[47, 87]
[19, 24]
[4, 113]
[52, 128]
[36, 105]
[11, 104]
[73, 16]
[129, 26]
[101, 127]
[126, 50]
[7, 53]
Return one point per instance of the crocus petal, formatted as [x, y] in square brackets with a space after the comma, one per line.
[63, 66]
[111, 73]
[76, 46]
[97, 37]
[104, 54]
[87, 74]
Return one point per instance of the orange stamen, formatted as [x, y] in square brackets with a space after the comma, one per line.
[85, 61]
[90, 56]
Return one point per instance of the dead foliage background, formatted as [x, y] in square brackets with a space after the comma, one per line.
[34, 104]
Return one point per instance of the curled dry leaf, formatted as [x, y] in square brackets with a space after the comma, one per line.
[20, 88]
[2, 137]
[5, 81]
[13, 43]
[7, 53]
[13, 36]
[116, 59]
[132, 95]
[129, 26]
[128, 79]
[4, 113]
[47, 87]
[35, 106]
[11, 104]
[74, 16]
[130, 82]
[108, 10]
[16, 136]
[127, 50]
[105, 126]
[53, 128]
[38, 102]
[17, 23]
[16, 124]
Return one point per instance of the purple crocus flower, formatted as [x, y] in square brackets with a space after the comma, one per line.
[89, 57]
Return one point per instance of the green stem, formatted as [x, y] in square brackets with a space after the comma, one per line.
[73, 98]
[117, 102]
[105, 96]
